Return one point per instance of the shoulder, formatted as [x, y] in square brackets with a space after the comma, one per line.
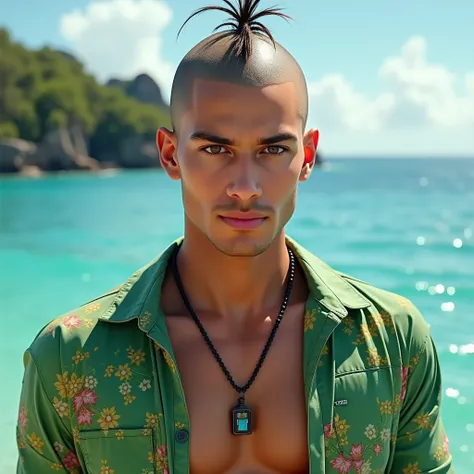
[396, 311]
[65, 335]
[79, 319]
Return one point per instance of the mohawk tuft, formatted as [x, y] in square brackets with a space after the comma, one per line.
[244, 22]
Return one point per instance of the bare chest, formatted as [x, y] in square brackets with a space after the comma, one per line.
[278, 442]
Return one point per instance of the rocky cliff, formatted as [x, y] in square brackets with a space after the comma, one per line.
[143, 88]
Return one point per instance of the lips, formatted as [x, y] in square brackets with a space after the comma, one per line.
[244, 221]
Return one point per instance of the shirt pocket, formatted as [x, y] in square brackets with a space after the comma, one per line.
[119, 451]
[361, 433]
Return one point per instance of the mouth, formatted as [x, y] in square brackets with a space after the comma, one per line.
[243, 222]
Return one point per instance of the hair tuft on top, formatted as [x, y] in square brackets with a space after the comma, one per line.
[244, 22]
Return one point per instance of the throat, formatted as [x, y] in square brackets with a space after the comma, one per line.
[234, 288]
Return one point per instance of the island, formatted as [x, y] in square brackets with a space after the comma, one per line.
[56, 116]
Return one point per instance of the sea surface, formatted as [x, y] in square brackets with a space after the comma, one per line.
[404, 225]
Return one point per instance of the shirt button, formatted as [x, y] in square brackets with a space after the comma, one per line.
[182, 436]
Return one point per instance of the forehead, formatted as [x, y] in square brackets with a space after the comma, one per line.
[215, 103]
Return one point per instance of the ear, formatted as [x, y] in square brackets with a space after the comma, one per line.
[310, 141]
[166, 142]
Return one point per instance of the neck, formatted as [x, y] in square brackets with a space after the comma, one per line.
[233, 287]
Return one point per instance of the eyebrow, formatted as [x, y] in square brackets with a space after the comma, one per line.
[280, 137]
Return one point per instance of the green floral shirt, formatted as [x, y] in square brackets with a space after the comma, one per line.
[102, 394]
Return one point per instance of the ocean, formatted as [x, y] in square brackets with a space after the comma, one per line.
[404, 225]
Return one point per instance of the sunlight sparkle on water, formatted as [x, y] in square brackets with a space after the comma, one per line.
[448, 306]
[462, 350]
[467, 349]
[452, 393]
[420, 240]
[422, 285]
[437, 289]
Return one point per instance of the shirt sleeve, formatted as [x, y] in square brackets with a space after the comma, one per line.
[45, 444]
[421, 444]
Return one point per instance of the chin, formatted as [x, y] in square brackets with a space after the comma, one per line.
[241, 246]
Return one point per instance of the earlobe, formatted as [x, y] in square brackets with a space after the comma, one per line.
[306, 171]
[307, 164]
[166, 145]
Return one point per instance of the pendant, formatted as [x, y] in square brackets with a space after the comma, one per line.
[241, 418]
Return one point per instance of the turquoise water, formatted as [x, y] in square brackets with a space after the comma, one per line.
[404, 225]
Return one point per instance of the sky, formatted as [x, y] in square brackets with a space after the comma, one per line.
[385, 78]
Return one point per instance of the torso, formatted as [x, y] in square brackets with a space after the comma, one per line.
[278, 443]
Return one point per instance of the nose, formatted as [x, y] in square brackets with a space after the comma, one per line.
[245, 186]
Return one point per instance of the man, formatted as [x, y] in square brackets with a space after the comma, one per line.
[237, 350]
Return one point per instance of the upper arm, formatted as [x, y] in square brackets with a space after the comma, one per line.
[421, 444]
[45, 443]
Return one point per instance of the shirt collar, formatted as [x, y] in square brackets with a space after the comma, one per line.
[142, 289]
[327, 285]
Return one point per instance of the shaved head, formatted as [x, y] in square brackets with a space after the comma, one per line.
[246, 55]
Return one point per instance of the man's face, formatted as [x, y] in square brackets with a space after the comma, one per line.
[239, 156]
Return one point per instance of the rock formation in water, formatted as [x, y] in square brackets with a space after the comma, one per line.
[143, 88]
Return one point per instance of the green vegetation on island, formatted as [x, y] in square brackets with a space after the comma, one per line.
[54, 115]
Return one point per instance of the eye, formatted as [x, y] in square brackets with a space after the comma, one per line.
[274, 150]
[214, 149]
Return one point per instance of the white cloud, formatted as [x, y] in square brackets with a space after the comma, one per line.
[420, 111]
[338, 106]
[121, 38]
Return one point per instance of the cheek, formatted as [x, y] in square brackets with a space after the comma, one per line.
[200, 189]
[282, 183]
[197, 171]
[191, 171]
